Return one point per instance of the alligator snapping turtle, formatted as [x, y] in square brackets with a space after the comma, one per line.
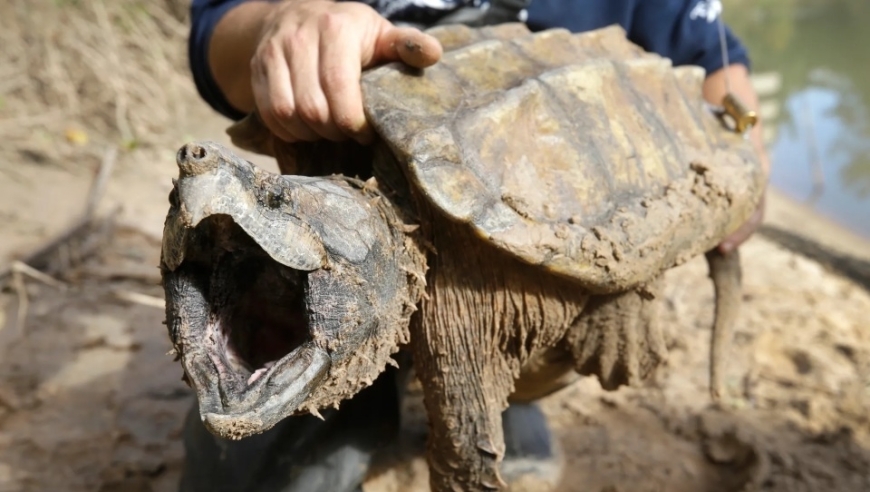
[510, 228]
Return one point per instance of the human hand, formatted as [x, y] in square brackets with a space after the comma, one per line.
[306, 70]
[745, 231]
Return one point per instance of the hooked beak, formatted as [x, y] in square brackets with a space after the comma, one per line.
[212, 182]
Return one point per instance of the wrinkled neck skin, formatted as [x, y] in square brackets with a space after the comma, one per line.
[285, 294]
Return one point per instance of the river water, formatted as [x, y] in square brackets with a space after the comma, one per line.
[811, 62]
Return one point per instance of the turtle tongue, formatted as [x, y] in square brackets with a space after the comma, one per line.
[265, 360]
[258, 310]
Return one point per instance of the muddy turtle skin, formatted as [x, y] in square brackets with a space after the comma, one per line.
[508, 230]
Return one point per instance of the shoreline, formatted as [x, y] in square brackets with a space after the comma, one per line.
[809, 233]
[784, 212]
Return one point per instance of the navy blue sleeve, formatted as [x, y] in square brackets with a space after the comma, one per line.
[686, 31]
[204, 16]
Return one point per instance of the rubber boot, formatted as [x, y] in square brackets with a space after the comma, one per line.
[532, 460]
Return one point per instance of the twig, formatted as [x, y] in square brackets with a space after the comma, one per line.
[158, 65]
[38, 119]
[60, 76]
[112, 48]
[99, 235]
[143, 299]
[136, 229]
[41, 259]
[25, 269]
[9, 400]
[179, 29]
[23, 302]
[148, 275]
[98, 185]
[73, 245]
[19, 271]
[11, 82]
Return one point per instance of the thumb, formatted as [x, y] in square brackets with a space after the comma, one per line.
[746, 230]
[407, 44]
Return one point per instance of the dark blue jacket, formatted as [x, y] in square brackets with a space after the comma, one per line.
[685, 31]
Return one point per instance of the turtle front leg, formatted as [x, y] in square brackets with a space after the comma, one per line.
[465, 387]
[618, 337]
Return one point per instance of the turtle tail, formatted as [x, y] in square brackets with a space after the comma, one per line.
[726, 275]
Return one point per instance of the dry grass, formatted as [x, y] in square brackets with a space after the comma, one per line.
[110, 73]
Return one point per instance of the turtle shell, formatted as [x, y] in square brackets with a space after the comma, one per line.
[580, 153]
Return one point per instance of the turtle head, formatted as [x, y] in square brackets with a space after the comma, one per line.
[284, 294]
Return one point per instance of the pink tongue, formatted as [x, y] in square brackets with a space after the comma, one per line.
[259, 372]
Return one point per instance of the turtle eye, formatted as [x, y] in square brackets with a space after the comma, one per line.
[273, 198]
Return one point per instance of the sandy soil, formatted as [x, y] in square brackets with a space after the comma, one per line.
[89, 400]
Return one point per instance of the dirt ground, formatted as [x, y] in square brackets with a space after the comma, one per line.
[89, 400]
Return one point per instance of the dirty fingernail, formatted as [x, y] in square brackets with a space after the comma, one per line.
[419, 51]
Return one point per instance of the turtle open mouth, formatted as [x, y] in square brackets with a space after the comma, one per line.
[241, 325]
[274, 284]
[257, 313]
